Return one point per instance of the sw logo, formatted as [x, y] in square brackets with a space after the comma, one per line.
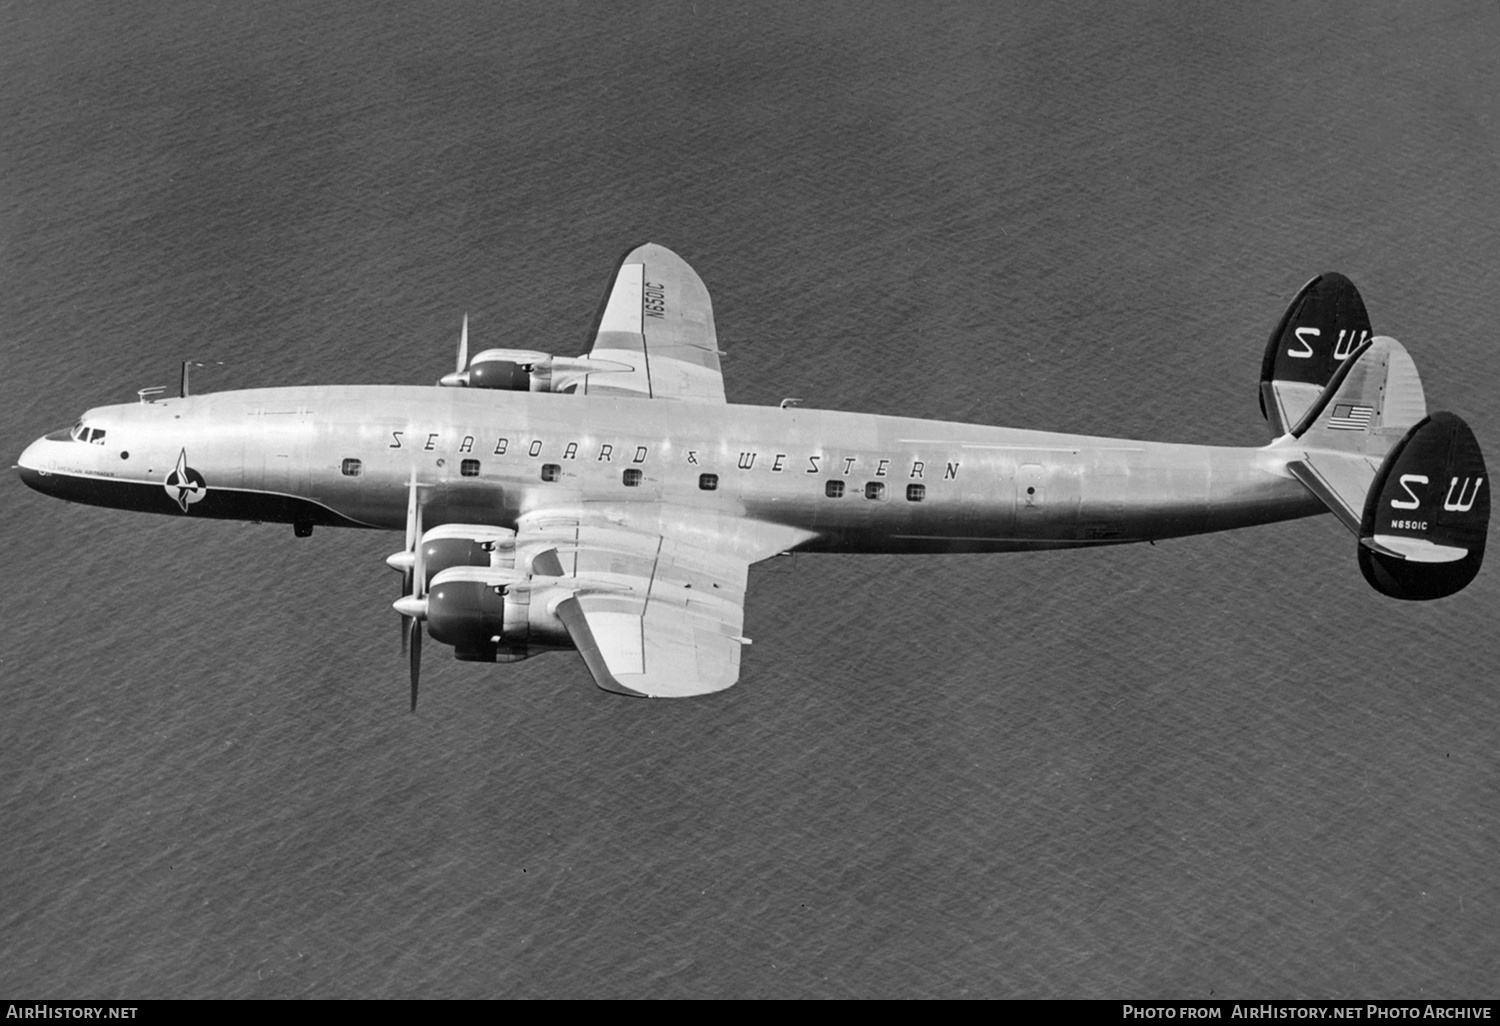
[1348, 341]
[184, 484]
[1407, 480]
[1465, 497]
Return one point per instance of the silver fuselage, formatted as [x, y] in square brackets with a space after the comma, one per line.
[345, 455]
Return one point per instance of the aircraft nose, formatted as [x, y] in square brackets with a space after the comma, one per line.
[34, 466]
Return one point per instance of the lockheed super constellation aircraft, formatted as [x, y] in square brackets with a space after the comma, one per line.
[613, 503]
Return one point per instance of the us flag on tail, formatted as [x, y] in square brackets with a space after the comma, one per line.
[1350, 417]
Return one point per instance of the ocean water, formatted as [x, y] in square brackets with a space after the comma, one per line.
[1219, 766]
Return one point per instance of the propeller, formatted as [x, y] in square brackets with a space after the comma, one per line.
[406, 559]
[416, 658]
[413, 610]
[412, 605]
[458, 377]
[416, 615]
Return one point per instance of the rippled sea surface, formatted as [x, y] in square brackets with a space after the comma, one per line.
[1219, 766]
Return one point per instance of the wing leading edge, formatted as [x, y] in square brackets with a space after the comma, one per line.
[658, 319]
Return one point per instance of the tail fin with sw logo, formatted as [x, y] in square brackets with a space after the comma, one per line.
[1424, 525]
[1322, 327]
[1409, 486]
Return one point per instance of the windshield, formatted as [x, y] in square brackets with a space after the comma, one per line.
[79, 433]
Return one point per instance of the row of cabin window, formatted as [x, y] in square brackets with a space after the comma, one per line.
[631, 478]
[707, 482]
[835, 489]
[354, 468]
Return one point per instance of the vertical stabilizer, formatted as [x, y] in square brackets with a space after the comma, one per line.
[1323, 326]
[1373, 398]
[1428, 512]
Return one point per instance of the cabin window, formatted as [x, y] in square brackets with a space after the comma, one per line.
[834, 489]
[875, 490]
[632, 478]
[351, 468]
[469, 468]
[551, 471]
[916, 492]
[708, 482]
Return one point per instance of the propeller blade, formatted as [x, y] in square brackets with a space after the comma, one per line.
[413, 543]
[460, 377]
[406, 583]
[416, 659]
[411, 511]
[419, 563]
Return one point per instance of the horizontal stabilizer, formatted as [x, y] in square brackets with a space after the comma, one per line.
[1323, 326]
[1341, 480]
[1425, 521]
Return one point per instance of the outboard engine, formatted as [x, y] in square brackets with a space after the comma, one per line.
[523, 370]
[480, 614]
[511, 370]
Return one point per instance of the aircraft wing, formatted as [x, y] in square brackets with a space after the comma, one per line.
[653, 612]
[659, 321]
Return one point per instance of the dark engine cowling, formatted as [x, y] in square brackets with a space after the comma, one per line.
[484, 620]
[454, 545]
[501, 374]
[527, 370]
[511, 370]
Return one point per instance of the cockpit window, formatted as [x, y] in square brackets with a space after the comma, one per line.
[79, 433]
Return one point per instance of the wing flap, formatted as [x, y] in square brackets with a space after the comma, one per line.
[663, 653]
[619, 636]
[651, 615]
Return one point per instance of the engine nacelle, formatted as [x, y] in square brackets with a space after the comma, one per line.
[512, 370]
[480, 614]
[526, 370]
[451, 545]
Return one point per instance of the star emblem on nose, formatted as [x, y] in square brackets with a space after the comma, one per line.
[184, 484]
